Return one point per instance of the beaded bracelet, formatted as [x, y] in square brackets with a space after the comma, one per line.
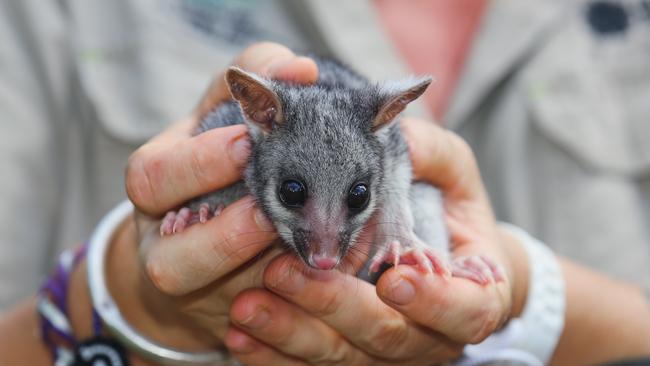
[56, 330]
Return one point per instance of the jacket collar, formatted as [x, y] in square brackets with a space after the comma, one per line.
[510, 32]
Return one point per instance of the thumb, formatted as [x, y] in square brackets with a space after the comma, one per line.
[462, 310]
[443, 159]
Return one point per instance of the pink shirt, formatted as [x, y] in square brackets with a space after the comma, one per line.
[433, 37]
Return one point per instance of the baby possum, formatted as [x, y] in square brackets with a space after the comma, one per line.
[324, 159]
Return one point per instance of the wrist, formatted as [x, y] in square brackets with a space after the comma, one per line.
[541, 320]
[538, 303]
[81, 308]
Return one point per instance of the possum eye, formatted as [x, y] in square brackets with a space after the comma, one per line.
[358, 197]
[292, 193]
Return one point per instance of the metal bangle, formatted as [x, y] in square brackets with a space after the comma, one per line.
[110, 314]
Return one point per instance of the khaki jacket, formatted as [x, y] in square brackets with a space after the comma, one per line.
[556, 115]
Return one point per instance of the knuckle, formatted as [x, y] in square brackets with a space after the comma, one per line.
[220, 249]
[226, 250]
[490, 319]
[258, 55]
[165, 277]
[139, 171]
[266, 46]
[457, 141]
[454, 352]
[437, 350]
[461, 147]
[134, 177]
[438, 314]
[283, 338]
[338, 354]
[160, 277]
[328, 307]
[198, 162]
[386, 336]
[228, 244]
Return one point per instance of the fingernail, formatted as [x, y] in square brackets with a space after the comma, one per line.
[240, 148]
[258, 319]
[262, 221]
[400, 292]
[290, 282]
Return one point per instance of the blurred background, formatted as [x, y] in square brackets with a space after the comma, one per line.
[553, 95]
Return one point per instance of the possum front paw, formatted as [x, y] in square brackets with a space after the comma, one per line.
[477, 268]
[176, 221]
[413, 252]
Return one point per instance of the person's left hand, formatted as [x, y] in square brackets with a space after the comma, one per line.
[409, 318]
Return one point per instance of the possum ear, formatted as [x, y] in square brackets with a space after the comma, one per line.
[397, 95]
[260, 104]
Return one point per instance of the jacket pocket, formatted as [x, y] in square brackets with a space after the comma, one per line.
[140, 66]
[592, 98]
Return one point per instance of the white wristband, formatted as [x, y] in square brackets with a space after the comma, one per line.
[530, 339]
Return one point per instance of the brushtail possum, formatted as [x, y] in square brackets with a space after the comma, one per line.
[325, 158]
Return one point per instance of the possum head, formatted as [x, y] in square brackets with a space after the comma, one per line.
[318, 153]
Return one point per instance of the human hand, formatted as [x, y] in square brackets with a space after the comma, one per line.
[309, 317]
[185, 282]
[462, 310]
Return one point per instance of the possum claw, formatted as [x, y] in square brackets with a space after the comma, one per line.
[182, 219]
[218, 210]
[425, 258]
[388, 254]
[167, 225]
[204, 212]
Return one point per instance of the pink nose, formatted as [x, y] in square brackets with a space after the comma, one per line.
[322, 262]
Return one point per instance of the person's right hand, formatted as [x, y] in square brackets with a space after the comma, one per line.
[409, 317]
[186, 281]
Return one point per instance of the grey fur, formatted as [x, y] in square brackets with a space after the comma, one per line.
[325, 137]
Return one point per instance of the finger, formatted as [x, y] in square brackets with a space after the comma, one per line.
[251, 352]
[352, 307]
[174, 167]
[442, 158]
[460, 309]
[266, 59]
[159, 177]
[201, 254]
[290, 330]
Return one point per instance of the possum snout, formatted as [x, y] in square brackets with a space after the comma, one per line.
[319, 251]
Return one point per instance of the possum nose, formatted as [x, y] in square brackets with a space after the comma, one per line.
[323, 262]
